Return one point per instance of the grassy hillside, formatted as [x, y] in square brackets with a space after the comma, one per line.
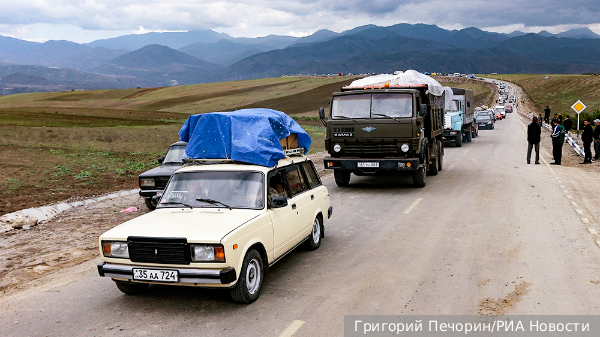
[80, 143]
[560, 92]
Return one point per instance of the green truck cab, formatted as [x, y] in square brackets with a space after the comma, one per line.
[391, 128]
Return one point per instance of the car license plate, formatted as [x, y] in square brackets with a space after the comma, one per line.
[482, 124]
[368, 164]
[156, 275]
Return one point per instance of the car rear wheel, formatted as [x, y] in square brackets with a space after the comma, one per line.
[314, 241]
[249, 284]
[131, 288]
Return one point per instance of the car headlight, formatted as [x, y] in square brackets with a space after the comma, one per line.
[405, 148]
[337, 148]
[207, 253]
[147, 182]
[116, 249]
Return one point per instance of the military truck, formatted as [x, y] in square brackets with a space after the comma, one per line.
[459, 117]
[387, 128]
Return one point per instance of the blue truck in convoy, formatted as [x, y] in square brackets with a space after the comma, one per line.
[459, 118]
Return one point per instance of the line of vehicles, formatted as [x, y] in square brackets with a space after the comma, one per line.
[229, 206]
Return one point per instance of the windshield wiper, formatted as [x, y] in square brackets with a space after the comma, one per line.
[345, 117]
[176, 203]
[214, 202]
[386, 116]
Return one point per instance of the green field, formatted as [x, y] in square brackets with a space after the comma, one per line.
[560, 92]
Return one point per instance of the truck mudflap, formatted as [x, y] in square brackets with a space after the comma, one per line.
[366, 164]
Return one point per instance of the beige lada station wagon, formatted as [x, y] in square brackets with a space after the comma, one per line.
[220, 224]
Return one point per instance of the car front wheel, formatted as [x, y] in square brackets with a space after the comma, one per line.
[250, 281]
[131, 288]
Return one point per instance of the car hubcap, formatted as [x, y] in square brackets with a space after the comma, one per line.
[316, 232]
[253, 276]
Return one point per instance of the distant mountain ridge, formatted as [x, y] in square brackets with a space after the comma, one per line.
[176, 58]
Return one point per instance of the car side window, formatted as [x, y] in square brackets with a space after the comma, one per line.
[311, 174]
[277, 185]
[296, 181]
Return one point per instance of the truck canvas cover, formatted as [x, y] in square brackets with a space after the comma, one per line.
[406, 78]
[249, 135]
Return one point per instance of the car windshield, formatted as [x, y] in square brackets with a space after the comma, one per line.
[222, 189]
[483, 118]
[175, 155]
[372, 106]
[500, 109]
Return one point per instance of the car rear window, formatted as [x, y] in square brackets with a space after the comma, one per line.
[311, 174]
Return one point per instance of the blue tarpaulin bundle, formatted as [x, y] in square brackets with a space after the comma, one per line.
[248, 135]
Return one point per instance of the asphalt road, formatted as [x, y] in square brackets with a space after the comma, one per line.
[488, 235]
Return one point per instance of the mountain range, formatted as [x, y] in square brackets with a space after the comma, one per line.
[177, 58]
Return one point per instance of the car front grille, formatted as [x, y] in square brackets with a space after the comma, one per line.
[371, 149]
[161, 182]
[158, 250]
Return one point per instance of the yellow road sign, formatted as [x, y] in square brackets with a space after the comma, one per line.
[578, 107]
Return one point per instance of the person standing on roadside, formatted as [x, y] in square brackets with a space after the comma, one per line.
[587, 137]
[568, 124]
[558, 139]
[540, 120]
[597, 139]
[547, 114]
[534, 132]
[560, 119]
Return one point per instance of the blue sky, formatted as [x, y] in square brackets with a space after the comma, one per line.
[88, 20]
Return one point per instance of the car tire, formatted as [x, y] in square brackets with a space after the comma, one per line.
[132, 288]
[342, 178]
[247, 289]
[150, 204]
[468, 134]
[314, 239]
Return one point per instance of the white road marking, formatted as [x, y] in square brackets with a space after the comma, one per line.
[579, 211]
[562, 186]
[574, 203]
[585, 220]
[414, 204]
[291, 329]
[592, 231]
[598, 242]
[467, 150]
[565, 191]
[569, 197]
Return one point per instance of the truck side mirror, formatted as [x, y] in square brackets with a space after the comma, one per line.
[468, 104]
[322, 116]
[161, 159]
[423, 110]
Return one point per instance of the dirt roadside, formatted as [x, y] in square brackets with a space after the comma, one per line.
[68, 239]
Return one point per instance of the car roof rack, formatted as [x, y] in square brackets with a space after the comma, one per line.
[189, 161]
[294, 152]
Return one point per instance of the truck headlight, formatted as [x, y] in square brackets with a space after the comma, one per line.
[405, 148]
[116, 249]
[147, 182]
[337, 148]
[207, 253]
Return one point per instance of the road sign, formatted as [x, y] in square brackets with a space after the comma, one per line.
[578, 107]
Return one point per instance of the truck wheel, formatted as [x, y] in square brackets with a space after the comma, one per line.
[314, 240]
[247, 288]
[433, 167]
[151, 205]
[459, 139]
[419, 177]
[131, 288]
[342, 178]
[468, 134]
[440, 161]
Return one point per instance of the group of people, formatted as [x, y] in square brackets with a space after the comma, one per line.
[559, 129]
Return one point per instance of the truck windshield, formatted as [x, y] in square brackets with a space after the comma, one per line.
[236, 189]
[454, 106]
[372, 106]
[175, 155]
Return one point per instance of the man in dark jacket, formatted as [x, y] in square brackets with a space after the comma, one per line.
[558, 139]
[547, 115]
[597, 139]
[534, 132]
[568, 124]
[587, 137]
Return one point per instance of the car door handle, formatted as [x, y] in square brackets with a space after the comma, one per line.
[293, 206]
[312, 197]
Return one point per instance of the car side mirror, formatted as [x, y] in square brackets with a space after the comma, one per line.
[422, 110]
[278, 202]
[161, 160]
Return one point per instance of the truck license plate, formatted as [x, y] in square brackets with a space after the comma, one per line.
[156, 275]
[368, 164]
